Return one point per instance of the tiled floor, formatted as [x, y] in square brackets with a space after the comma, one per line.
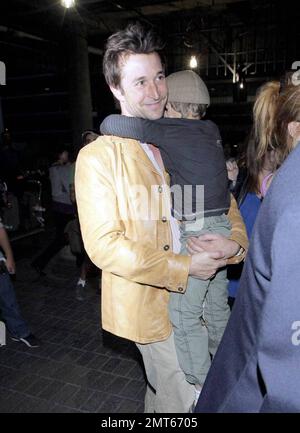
[79, 367]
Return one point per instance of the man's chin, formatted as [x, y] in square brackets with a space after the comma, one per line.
[154, 115]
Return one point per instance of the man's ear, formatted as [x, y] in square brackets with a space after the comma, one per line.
[117, 93]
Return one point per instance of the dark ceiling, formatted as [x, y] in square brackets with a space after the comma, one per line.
[219, 26]
[261, 37]
[46, 17]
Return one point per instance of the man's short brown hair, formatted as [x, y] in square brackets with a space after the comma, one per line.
[134, 39]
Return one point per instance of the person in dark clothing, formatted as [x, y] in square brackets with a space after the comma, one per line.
[193, 155]
[9, 309]
[63, 209]
[10, 164]
[82, 259]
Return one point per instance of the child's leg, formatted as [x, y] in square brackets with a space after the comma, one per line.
[191, 337]
[216, 310]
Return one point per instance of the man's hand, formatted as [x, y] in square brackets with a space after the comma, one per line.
[10, 265]
[232, 170]
[212, 242]
[205, 264]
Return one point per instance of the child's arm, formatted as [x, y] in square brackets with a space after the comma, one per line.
[146, 131]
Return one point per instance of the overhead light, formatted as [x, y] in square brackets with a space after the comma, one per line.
[242, 83]
[68, 3]
[193, 62]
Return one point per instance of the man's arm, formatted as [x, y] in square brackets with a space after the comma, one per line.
[5, 245]
[238, 232]
[101, 219]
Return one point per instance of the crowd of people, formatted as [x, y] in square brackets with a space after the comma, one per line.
[259, 349]
[61, 174]
[167, 248]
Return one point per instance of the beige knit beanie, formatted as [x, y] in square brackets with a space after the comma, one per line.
[187, 86]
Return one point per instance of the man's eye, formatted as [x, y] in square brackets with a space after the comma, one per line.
[141, 83]
[161, 77]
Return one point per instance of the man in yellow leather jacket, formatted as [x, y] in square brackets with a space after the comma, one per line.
[124, 210]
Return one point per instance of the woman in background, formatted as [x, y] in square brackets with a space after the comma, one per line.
[258, 358]
[257, 166]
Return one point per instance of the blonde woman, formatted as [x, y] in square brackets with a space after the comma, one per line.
[259, 161]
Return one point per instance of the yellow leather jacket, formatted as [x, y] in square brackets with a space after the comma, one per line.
[131, 243]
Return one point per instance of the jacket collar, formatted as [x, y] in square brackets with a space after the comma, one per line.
[134, 149]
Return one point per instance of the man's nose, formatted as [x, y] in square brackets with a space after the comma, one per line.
[153, 91]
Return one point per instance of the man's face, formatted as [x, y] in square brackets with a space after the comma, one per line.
[143, 89]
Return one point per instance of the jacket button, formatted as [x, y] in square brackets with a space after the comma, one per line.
[164, 219]
[160, 189]
[166, 247]
[180, 289]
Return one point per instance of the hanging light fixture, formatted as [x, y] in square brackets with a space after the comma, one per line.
[68, 3]
[193, 62]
